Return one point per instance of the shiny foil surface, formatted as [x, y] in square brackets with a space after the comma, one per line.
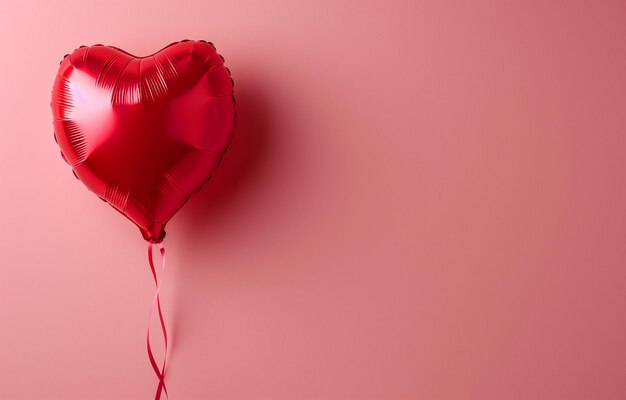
[144, 133]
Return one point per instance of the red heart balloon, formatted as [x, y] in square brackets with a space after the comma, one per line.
[144, 133]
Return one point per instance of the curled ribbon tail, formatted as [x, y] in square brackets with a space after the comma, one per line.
[156, 302]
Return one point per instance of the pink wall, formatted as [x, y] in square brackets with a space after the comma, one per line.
[424, 200]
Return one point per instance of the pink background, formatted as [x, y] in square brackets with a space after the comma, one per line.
[424, 200]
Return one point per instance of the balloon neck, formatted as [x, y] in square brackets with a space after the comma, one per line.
[154, 234]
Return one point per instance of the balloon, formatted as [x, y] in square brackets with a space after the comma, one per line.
[144, 133]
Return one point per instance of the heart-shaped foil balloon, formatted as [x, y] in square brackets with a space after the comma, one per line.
[144, 133]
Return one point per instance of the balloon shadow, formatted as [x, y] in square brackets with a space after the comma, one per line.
[241, 165]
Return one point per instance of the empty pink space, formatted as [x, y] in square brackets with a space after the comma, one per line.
[422, 200]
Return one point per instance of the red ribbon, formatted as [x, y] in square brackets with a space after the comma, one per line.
[160, 373]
